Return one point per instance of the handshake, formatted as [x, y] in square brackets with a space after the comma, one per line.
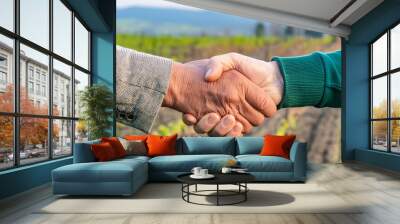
[225, 95]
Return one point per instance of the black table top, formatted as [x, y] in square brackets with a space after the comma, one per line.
[220, 178]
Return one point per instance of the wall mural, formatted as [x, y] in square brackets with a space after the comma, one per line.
[185, 40]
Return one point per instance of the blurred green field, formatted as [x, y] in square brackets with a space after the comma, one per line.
[187, 48]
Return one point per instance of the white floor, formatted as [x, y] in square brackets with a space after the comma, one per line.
[376, 189]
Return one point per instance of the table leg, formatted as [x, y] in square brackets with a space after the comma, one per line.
[188, 189]
[217, 194]
[245, 193]
[182, 188]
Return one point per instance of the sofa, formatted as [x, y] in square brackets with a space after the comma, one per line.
[125, 176]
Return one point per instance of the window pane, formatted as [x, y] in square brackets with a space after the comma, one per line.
[62, 29]
[81, 45]
[62, 89]
[7, 14]
[35, 21]
[81, 131]
[33, 139]
[6, 74]
[395, 94]
[6, 142]
[395, 47]
[379, 135]
[395, 136]
[379, 55]
[379, 97]
[34, 97]
[81, 81]
[62, 138]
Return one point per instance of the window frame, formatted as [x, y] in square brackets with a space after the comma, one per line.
[388, 74]
[16, 114]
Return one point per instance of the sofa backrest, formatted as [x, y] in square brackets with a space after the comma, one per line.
[249, 145]
[83, 152]
[191, 146]
[207, 145]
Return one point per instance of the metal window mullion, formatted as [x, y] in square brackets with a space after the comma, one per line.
[384, 119]
[389, 104]
[371, 101]
[73, 82]
[89, 52]
[50, 81]
[16, 85]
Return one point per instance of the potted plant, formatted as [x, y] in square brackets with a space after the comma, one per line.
[96, 103]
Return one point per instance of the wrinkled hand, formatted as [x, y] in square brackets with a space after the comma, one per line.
[266, 75]
[233, 94]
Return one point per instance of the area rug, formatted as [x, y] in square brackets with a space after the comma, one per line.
[166, 198]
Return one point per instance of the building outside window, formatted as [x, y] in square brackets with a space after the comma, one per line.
[56, 128]
[3, 72]
[38, 89]
[3, 78]
[385, 92]
[30, 72]
[43, 90]
[37, 75]
[30, 87]
[44, 77]
[3, 61]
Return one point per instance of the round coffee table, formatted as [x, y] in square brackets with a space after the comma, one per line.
[238, 179]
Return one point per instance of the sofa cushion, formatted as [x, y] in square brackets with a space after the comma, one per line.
[103, 152]
[113, 171]
[257, 163]
[277, 145]
[185, 163]
[133, 158]
[208, 145]
[161, 145]
[134, 147]
[249, 145]
[116, 145]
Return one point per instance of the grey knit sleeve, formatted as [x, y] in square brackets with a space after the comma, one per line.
[142, 82]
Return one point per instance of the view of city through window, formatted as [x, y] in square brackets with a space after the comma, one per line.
[38, 118]
[385, 82]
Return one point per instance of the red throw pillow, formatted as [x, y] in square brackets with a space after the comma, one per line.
[135, 137]
[277, 145]
[116, 145]
[103, 152]
[161, 145]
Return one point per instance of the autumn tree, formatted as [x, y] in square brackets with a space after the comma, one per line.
[33, 131]
[379, 128]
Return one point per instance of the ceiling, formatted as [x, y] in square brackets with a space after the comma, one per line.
[326, 16]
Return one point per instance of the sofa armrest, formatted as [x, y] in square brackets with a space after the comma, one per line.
[298, 155]
[83, 152]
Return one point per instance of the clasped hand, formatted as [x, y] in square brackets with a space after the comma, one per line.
[225, 95]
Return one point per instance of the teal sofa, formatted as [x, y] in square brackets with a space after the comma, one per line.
[125, 176]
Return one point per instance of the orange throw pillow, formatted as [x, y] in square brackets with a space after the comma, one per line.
[161, 145]
[277, 145]
[135, 137]
[103, 152]
[116, 145]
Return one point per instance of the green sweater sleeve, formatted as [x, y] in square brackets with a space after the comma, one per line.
[311, 80]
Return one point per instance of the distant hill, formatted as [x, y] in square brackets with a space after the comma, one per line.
[155, 21]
